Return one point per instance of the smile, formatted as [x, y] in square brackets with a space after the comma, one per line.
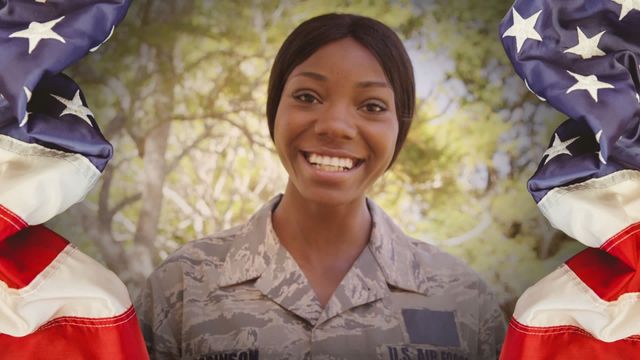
[331, 163]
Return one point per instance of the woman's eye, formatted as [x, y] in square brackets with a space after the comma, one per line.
[306, 98]
[374, 107]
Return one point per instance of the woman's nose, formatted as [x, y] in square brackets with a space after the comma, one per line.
[336, 121]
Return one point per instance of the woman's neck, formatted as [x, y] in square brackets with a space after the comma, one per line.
[321, 228]
[324, 240]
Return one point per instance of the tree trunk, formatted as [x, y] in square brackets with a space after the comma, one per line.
[154, 175]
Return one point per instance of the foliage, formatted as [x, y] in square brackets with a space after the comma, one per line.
[180, 91]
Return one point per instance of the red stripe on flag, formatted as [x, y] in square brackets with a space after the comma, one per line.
[623, 245]
[80, 338]
[563, 342]
[611, 270]
[24, 255]
[10, 223]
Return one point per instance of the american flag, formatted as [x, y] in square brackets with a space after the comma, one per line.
[55, 302]
[583, 58]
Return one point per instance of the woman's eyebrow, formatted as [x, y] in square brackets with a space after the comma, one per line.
[361, 84]
[368, 84]
[312, 75]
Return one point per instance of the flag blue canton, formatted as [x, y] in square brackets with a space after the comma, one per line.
[583, 58]
[40, 38]
[50, 124]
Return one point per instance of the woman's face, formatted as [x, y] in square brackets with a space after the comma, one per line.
[336, 124]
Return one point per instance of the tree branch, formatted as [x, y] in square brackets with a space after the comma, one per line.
[124, 203]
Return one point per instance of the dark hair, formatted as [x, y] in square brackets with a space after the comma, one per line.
[378, 38]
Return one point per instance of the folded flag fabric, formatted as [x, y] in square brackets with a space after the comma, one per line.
[55, 302]
[40, 37]
[50, 162]
[583, 58]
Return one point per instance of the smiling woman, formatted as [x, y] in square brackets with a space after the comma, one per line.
[321, 271]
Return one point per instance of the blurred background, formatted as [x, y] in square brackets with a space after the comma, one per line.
[180, 91]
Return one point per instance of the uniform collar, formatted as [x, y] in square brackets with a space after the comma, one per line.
[251, 250]
[256, 254]
[400, 261]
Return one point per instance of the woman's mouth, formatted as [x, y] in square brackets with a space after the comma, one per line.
[331, 163]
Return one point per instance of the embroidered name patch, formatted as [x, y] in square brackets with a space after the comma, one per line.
[250, 354]
[431, 327]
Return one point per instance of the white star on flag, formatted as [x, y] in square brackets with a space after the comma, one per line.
[589, 83]
[522, 29]
[533, 92]
[24, 119]
[558, 147]
[599, 152]
[39, 31]
[105, 40]
[587, 47]
[627, 5]
[27, 92]
[75, 107]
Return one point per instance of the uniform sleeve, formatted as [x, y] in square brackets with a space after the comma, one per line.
[159, 308]
[492, 327]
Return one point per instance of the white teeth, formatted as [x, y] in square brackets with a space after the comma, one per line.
[329, 168]
[328, 161]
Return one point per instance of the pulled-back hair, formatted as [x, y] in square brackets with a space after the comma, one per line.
[375, 36]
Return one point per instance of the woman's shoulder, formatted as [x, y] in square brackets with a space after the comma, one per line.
[213, 258]
[417, 265]
[432, 253]
[436, 265]
[202, 256]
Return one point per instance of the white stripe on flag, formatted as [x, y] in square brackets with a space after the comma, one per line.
[39, 183]
[73, 284]
[595, 210]
[562, 299]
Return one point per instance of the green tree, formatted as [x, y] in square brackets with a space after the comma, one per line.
[180, 91]
[467, 166]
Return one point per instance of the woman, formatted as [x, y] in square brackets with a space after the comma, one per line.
[321, 271]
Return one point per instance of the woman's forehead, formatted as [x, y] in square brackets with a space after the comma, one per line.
[345, 59]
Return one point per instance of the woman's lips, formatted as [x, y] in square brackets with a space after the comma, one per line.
[331, 163]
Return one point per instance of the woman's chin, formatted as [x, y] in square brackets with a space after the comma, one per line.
[330, 197]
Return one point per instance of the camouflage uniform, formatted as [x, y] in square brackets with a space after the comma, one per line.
[240, 295]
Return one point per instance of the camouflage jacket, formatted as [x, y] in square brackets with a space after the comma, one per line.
[239, 295]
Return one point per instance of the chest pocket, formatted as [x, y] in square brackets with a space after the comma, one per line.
[431, 335]
[437, 328]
